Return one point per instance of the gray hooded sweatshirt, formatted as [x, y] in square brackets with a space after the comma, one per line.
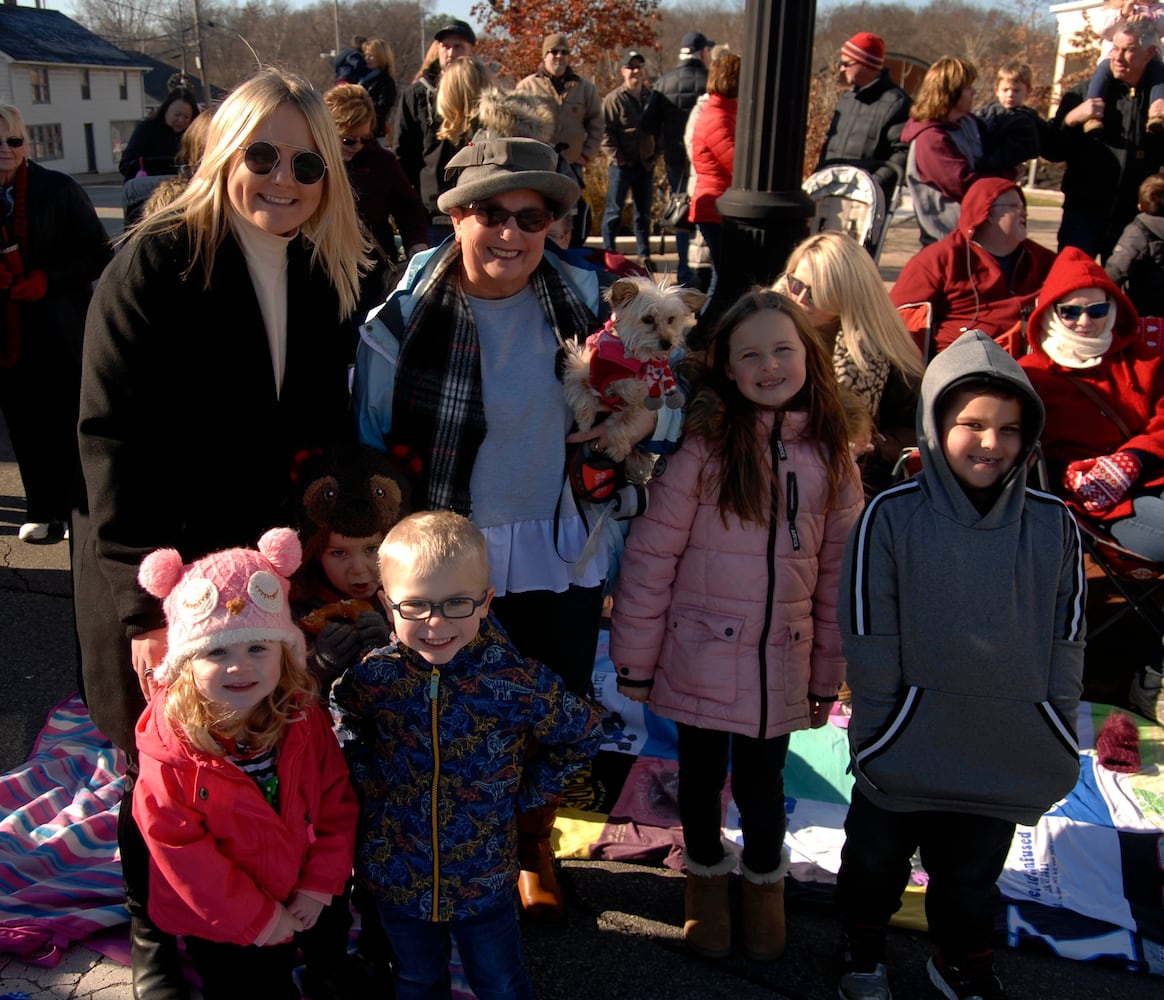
[963, 630]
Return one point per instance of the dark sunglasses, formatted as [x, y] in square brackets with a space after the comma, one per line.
[1071, 314]
[796, 287]
[363, 140]
[529, 220]
[559, 52]
[307, 166]
[14, 142]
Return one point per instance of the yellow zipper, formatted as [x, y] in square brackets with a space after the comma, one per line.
[433, 684]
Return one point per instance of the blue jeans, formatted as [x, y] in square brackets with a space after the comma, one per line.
[1153, 79]
[489, 945]
[640, 182]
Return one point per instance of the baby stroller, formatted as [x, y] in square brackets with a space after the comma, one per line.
[849, 200]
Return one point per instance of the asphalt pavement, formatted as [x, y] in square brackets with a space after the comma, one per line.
[622, 936]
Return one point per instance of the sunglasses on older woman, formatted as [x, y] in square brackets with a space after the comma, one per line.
[307, 166]
[1071, 314]
[14, 141]
[529, 220]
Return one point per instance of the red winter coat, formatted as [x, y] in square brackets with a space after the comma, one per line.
[1130, 379]
[713, 152]
[220, 856]
[964, 284]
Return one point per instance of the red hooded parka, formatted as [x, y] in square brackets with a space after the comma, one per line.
[1129, 379]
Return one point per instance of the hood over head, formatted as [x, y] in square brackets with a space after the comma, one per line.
[976, 205]
[1074, 270]
[973, 357]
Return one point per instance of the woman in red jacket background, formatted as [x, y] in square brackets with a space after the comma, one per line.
[713, 151]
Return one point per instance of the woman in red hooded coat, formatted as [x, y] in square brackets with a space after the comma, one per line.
[1103, 388]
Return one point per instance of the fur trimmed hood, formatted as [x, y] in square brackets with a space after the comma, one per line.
[502, 115]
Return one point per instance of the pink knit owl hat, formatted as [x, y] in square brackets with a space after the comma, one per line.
[237, 595]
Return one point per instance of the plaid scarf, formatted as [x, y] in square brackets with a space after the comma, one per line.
[15, 231]
[438, 410]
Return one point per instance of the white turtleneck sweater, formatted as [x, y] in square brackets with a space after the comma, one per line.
[266, 257]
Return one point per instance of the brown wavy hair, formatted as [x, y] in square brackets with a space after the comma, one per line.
[941, 88]
[727, 420]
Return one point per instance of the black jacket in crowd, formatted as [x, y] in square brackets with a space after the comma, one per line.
[676, 92]
[866, 131]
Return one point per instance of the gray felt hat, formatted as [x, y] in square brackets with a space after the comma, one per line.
[495, 166]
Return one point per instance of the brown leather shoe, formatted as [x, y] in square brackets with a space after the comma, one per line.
[537, 885]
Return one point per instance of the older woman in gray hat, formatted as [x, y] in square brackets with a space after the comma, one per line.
[455, 374]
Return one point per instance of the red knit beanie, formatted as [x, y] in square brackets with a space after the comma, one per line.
[866, 48]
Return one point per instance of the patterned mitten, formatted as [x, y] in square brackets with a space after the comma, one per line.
[1102, 482]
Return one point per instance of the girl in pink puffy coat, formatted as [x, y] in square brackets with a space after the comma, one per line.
[725, 615]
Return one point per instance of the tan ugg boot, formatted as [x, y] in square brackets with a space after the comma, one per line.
[707, 924]
[537, 883]
[762, 911]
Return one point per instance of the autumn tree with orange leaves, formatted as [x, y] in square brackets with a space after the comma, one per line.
[599, 31]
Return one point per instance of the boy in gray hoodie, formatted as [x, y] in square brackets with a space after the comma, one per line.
[961, 612]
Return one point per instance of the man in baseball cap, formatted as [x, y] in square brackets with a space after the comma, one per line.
[866, 127]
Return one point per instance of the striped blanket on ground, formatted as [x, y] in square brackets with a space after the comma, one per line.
[60, 874]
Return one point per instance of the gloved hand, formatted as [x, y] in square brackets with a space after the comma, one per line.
[1102, 482]
[340, 644]
[30, 288]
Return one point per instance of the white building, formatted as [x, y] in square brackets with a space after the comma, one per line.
[80, 96]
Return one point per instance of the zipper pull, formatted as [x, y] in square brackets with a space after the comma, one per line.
[780, 450]
[433, 683]
[792, 503]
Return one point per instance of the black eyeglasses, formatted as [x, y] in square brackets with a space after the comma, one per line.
[307, 166]
[529, 220]
[357, 140]
[1071, 314]
[559, 52]
[422, 611]
[14, 141]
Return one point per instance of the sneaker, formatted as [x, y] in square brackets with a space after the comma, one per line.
[42, 532]
[865, 985]
[1147, 693]
[975, 981]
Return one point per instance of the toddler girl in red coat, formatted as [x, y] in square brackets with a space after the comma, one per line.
[725, 614]
[243, 798]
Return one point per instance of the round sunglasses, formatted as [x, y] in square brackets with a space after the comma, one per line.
[796, 288]
[357, 140]
[529, 220]
[261, 157]
[1072, 314]
[14, 142]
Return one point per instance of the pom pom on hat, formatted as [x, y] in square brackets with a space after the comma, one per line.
[1117, 747]
[237, 595]
[865, 48]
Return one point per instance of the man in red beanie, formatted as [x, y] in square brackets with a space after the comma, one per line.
[866, 127]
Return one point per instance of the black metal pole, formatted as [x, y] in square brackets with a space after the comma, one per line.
[765, 212]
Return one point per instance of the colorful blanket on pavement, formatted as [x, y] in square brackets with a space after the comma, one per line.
[1086, 882]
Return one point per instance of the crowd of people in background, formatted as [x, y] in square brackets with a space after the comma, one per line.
[346, 311]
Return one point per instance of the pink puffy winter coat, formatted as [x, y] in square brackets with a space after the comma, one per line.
[729, 645]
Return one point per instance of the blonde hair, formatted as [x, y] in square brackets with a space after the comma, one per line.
[351, 106]
[203, 210]
[383, 54]
[431, 541]
[11, 116]
[458, 95]
[846, 283]
[189, 712]
[1015, 70]
[941, 88]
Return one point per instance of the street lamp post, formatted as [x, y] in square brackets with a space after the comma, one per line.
[765, 211]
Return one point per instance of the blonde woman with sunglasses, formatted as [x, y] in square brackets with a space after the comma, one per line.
[214, 354]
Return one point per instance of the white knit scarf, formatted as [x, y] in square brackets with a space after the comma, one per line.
[1067, 348]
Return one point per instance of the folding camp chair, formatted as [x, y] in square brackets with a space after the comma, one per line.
[849, 200]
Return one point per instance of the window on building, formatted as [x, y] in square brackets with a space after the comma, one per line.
[123, 88]
[38, 80]
[45, 142]
[85, 91]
